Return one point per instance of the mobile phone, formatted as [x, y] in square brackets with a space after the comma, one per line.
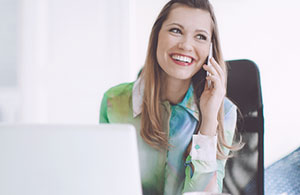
[210, 55]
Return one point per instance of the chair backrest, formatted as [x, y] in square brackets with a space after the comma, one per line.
[245, 171]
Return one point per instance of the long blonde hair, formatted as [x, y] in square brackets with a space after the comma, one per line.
[151, 121]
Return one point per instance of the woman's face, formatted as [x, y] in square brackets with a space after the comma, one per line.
[183, 42]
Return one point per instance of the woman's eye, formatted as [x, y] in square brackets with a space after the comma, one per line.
[175, 30]
[201, 37]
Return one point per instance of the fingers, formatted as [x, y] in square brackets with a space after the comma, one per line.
[215, 80]
[217, 67]
[215, 70]
[210, 69]
[217, 83]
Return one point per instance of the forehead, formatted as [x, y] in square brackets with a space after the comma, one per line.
[189, 17]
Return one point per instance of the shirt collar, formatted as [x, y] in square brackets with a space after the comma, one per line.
[137, 96]
[188, 102]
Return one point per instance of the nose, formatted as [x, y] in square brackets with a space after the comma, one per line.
[185, 44]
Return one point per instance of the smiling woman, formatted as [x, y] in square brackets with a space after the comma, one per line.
[185, 128]
[184, 42]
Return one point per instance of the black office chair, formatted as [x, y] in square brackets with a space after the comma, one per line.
[244, 172]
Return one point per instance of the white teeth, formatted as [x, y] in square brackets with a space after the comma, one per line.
[182, 58]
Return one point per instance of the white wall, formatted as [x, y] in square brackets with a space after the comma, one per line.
[72, 51]
[146, 13]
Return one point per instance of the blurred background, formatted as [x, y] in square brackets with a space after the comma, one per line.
[58, 57]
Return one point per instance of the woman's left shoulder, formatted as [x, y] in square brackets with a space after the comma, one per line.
[229, 107]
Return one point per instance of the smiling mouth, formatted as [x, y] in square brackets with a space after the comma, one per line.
[182, 60]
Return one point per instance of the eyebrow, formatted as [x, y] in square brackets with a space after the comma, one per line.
[198, 30]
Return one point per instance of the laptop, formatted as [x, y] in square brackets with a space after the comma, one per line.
[69, 160]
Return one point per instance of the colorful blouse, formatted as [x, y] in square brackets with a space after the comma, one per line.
[166, 172]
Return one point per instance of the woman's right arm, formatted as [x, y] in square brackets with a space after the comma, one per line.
[208, 172]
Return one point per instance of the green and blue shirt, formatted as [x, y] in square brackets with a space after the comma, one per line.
[166, 172]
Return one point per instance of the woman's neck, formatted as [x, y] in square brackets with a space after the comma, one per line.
[175, 89]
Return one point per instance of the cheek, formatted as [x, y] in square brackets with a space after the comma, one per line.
[165, 42]
[202, 53]
[197, 68]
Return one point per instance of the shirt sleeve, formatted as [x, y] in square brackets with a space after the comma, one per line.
[103, 110]
[204, 148]
[208, 173]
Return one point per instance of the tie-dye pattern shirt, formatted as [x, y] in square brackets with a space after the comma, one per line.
[165, 172]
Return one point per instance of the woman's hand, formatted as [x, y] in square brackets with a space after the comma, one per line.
[212, 98]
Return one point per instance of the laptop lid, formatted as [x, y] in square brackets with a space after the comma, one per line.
[69, 159]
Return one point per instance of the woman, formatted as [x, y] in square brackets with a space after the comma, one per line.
[185, 128]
